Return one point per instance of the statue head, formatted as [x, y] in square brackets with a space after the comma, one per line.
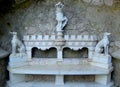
[107, 34]
[13, 33]
[59, 5]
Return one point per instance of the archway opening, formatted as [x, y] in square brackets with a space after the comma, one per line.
[69, 53]
[38, 53]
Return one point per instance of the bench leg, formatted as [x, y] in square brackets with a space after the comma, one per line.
[59, 80]
[16, 78]
[103, 79]
[59, 56]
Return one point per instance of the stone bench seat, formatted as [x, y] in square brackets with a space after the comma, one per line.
[80, 69]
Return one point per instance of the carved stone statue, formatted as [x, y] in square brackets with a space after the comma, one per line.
[104, 43]
[61, 19]
[17, 45]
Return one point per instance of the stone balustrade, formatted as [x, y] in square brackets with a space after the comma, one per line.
[53, 37]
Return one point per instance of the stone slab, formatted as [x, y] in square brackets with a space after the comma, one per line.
[60, 70]
[52, 84]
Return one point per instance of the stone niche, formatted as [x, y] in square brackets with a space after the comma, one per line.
[81, 53]
[59, 59]
[49, 60]
[52, 53]
[47, 78]
[79, 78]
[67, 78]
[38, 53]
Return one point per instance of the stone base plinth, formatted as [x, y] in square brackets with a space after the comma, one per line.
[52, 84]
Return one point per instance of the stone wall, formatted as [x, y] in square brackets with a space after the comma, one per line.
[116, 73]
[38, 17]
[3, 71]
[3, 67]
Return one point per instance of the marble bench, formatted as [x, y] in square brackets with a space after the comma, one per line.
[61, 70]
[68, 66]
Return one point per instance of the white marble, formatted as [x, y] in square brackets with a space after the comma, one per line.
[67, 84]
[17, 45]
[103, 79]
[71, 41]
[59, 80]
[17, 61]
[61, 19]
[104, 43]
[57, 69]
[97, 64]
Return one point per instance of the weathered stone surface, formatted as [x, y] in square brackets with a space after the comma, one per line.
[86, 78]
[3, 72]
[100, 2]
[109, 2]
[117, 43]
[39, 18]
[3, 69]
[97, 2]
[116, 50]
[116, 54]
[116, 73]
[88, 1]
[3, 53]
[19, 1]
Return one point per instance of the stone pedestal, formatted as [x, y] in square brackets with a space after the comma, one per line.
[16, 78]
[101, 60]
[103, 79]
[59, 56]
[59, 80]
[59, 42]
[17, 60]
[29, 54]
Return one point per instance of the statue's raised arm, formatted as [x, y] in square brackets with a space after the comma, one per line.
[61, 19]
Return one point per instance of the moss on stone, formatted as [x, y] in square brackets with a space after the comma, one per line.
[1, 32]
[22, 5]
